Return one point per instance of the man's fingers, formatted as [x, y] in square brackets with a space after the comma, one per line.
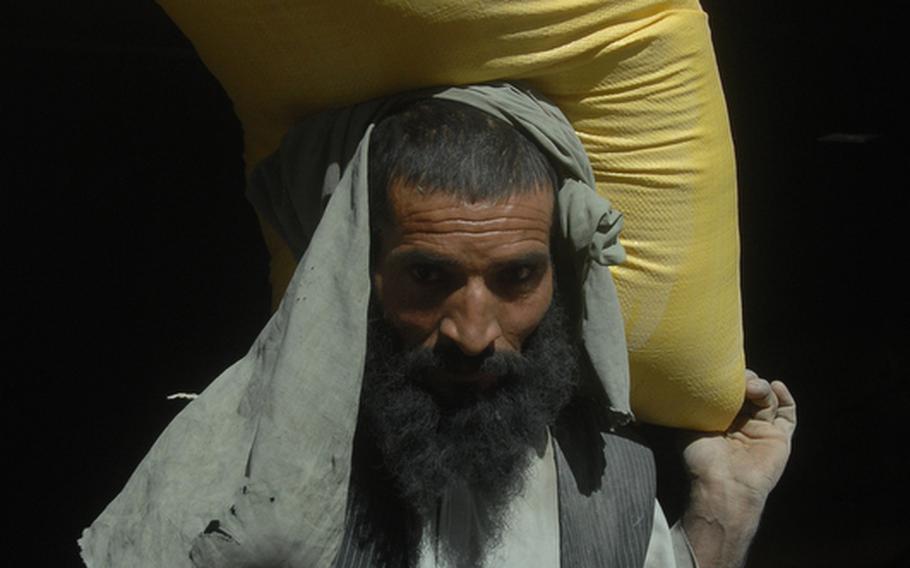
[786, 410]
[762, 397]
[757, 390]
[770, 401]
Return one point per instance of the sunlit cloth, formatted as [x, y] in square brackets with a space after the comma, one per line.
[257, 467]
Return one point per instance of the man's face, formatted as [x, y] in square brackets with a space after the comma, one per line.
[476, 277]
[473, 359]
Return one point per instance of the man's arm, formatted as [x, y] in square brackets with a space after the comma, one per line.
[732, 474]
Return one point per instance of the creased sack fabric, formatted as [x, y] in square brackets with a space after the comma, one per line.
[637, 80]
[257, 467]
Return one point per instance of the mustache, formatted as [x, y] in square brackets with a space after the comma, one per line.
[449, 358]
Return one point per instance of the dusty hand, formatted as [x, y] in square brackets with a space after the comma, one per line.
[749, 458]
[733, 472]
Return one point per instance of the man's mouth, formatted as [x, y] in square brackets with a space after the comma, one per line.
[454, 385]
[476, 379]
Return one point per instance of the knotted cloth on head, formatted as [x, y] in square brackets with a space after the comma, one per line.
[257, 467]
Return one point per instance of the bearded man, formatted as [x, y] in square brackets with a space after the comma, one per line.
[445, 384]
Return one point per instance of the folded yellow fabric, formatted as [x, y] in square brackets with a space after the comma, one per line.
[637, 79]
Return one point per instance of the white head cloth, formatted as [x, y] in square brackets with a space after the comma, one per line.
[255, 471]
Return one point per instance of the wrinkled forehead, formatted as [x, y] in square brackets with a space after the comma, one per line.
[439, 147]
[408, 204]
[443, 221]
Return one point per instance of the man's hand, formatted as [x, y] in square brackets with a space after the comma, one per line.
[732, 473]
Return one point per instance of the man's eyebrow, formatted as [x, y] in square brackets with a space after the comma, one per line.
[411, 257]
[421, 257]
[536, 258]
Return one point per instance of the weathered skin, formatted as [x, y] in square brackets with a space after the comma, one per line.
[476, 275]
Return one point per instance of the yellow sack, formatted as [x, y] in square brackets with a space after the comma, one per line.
[637, 79]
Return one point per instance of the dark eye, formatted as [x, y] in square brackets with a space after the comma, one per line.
[520, 275]
[426, 274]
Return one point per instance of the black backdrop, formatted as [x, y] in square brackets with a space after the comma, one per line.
[134, 268]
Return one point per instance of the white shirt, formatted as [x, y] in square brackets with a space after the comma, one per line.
[531, 536]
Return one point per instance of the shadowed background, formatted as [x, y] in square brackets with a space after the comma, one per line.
[135, 268]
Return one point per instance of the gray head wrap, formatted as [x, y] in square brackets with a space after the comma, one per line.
[257, 467]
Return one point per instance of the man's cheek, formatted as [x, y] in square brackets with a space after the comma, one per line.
[416, 327]
[524, 319]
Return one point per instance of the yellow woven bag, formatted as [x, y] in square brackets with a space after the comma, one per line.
[637, 79]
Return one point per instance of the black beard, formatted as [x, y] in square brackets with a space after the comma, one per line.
[428, 443]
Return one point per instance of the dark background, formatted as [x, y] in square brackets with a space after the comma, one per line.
[134, 267]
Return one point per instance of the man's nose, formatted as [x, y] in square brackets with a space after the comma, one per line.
[470, 321]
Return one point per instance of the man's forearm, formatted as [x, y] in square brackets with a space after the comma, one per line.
[720, 523]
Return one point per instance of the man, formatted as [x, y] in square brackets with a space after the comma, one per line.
[492, 419]
[463, 272]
